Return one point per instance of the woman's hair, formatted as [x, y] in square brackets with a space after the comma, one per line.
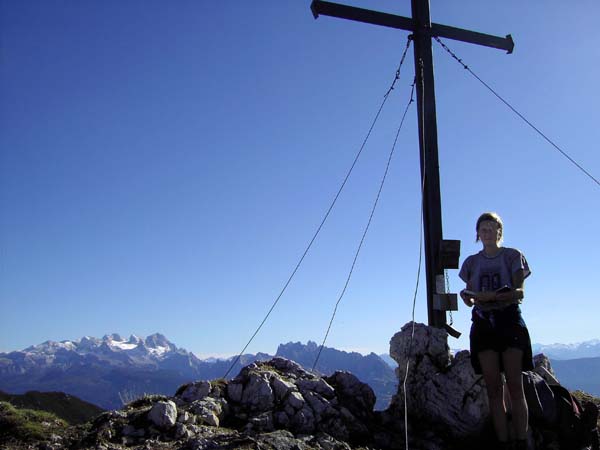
[493, 217]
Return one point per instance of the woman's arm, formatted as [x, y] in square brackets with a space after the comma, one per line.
[517, 293]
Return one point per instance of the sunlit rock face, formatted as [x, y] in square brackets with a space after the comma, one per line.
[443, 394]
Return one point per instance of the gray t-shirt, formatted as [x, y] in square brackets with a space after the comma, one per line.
[483, 273]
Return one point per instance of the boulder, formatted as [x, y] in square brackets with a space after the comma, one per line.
[208, 411]
[543, 368]
[163, 414]
[353, 394]
[194, 391]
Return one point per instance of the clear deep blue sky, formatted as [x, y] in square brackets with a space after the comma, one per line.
[164, 164]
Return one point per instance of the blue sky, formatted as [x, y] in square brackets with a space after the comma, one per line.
[163, 165]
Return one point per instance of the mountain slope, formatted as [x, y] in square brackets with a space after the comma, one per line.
[67, 407]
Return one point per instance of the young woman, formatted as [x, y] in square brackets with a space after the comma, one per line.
[499, 338]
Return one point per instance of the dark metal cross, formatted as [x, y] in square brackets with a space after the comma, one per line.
[440, 254]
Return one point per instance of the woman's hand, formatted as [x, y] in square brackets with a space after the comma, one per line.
[467, 299]
[484, 297]
[510, 296]
[506, 297]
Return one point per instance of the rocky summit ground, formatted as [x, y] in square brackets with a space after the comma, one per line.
[276, 404]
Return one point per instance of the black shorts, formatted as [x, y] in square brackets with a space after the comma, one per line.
[499, 330]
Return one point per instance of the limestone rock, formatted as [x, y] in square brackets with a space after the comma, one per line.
[320, 386]
[195, 391]
[262, 422]
[163, 414]
[296, 400]
[182, 432]
[352, 393]
[257, 394]
[290, 368]
[281, 440]
[234, 391]
[543, 368]
[281, 387]
[303, 422]
[185, 418]
[208, 411]
[440, 390]
[427, 341]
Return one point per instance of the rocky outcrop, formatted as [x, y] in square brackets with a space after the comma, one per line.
[369, 368]
[446, 402]
[443, 394]
[274, 404]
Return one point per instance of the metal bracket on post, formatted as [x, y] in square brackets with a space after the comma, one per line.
[449, 253]
[448, 256]
[445, 302]
[452, 331]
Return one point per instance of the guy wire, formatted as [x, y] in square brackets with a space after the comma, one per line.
[445, 47]
[367, 226]
[385, 97]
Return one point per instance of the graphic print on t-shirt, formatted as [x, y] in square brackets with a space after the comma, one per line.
[489, 280]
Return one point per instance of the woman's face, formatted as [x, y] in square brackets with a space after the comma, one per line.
[488, 232]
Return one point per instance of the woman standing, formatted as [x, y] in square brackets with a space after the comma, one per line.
[499, 338]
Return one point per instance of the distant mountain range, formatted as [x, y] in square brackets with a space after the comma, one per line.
[577, 366]
[587, 349]
[111, 371]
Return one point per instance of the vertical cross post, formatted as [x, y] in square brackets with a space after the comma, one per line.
[428, 146]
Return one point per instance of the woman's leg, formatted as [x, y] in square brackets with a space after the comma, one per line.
[490, 368]
[512, 360]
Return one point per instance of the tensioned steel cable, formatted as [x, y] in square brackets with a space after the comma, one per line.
[385, 97]
[387, 168]
[460, 61]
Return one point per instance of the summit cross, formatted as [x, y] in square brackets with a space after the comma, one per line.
[440, 254]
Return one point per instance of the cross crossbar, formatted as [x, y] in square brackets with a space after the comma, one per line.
[319, 7]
